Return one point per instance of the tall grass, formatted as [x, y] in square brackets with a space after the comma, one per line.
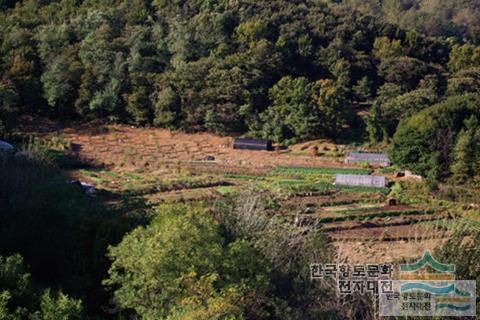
[22, 172]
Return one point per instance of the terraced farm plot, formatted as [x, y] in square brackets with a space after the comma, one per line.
[336, 199]
[159, 165]
[367, 215]
[454, 224]
[353, 208]
[383, 251]
[362, 226]
[313, 180]
[383, 222]
[157, 186]
[388, 233]
[122, 145]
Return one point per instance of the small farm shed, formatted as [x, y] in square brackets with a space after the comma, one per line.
[359, 180]
[252, 144]
[380, 159]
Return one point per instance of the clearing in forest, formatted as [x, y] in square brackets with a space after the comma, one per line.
[159, 165]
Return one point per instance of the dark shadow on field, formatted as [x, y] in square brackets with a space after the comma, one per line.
[29, 125]
[62, 232]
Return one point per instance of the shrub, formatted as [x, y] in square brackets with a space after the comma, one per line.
[181, 264]
[19, 299]
[286, 247]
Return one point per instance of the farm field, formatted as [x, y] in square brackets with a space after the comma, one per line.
[157, 166]
[129, 147]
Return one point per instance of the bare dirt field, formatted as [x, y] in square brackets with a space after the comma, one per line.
[127, 146]
[383, 252]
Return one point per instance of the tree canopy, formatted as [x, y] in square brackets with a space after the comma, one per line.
[221, 66]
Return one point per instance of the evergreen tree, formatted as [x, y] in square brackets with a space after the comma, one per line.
[363, 88]
[465, 152]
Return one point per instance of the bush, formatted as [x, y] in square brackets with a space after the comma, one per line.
[287, 248]
[20, 300]
[181, 265]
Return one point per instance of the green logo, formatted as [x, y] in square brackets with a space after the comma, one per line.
[427, 259]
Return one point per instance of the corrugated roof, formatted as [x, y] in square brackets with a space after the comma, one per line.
[251, 141]
[252, 144]
[368, 157]
[360, 180]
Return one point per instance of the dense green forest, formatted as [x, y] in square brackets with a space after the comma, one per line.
[399, 75]
[284, 70]
[445, 18]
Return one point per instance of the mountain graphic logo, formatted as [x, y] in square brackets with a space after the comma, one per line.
[418, 270]
[440, 284]
[429, 260]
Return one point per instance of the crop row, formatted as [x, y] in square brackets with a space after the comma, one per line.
[383, 214]
[335, 203]
[358, 210]
[463, 224]
[243, 176]
[325, 186]
[322, 186]
[306, 170]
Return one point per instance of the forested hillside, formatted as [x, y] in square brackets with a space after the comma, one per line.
[161, 236]
[445, 18]
[285, 70]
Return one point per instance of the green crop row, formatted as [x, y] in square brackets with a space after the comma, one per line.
[357, 210]
[227, 190]
[306, 170]
[335, 203]
[387, 170]
[464, 224]
[322, 186]
[243, 176]
[383, 214]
